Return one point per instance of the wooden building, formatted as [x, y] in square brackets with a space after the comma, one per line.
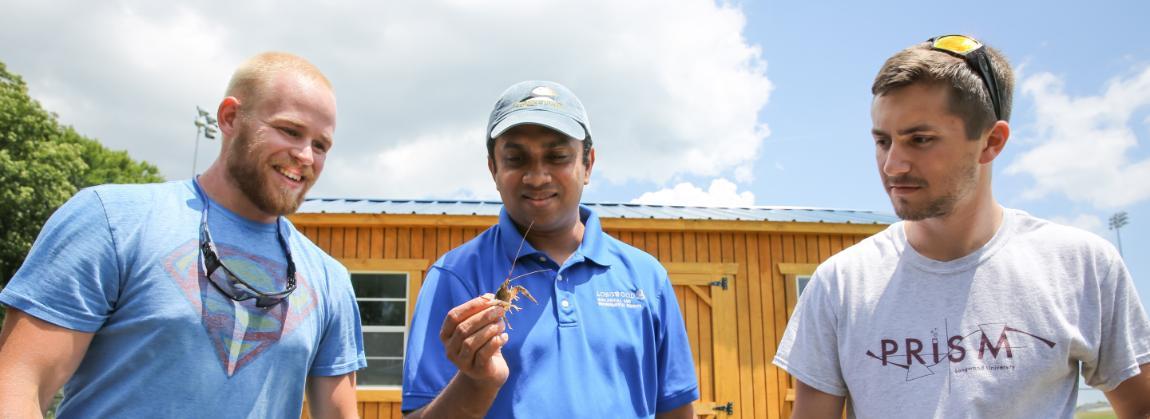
[737, 273]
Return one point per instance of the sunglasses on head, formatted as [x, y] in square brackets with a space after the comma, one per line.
[231, 284]
[974, 53]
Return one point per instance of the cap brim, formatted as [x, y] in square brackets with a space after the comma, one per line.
[555, 121]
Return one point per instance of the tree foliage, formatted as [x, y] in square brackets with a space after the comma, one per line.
[42, 164]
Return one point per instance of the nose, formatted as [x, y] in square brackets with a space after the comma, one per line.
[536, 175]
[305, 155]
[893, 161]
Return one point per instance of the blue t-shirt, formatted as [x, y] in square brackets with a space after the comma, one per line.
[122, 261]
[606, 338]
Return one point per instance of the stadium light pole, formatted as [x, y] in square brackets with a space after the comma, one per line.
[1117, 221]
[206, 125]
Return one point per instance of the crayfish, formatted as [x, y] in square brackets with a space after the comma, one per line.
[506, 295]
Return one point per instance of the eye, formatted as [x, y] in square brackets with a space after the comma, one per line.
[320, 146]
[882, 142]
[921, 139]
[559, 157]
[291, 132]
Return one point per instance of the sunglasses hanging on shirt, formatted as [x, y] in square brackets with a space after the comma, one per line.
[231, 284]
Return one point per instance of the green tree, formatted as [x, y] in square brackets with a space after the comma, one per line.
[42, 164]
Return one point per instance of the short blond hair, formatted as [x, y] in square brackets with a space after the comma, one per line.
[252, 77]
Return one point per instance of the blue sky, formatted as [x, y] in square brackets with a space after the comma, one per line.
[692, 101]
[823, 56]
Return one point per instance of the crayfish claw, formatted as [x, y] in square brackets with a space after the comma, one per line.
[527, 293]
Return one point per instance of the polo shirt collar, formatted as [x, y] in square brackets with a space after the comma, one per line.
[594, 247]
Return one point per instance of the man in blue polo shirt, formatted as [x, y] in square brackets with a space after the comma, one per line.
[604, 337]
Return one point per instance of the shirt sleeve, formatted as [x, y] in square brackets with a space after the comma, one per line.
[71, 276]
[678, 384]
[1125, 337]
[809, 348]
[341, 345]
[426, 369]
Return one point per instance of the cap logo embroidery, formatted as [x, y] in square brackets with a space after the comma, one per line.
[540, 96]
[544, 91]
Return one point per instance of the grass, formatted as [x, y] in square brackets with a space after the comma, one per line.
[1095, 415]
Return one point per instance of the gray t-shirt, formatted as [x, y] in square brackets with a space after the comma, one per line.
[1000, 332]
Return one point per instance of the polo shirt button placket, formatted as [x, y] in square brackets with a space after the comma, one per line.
[566, 306]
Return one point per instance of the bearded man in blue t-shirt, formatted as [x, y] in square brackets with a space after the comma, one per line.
[600, 335]
[194, 298]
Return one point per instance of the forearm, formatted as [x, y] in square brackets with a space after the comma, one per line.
[1129, 399]
[16, 404]
[332, 397]
[36, 358]
[462, 398]
[811, 403]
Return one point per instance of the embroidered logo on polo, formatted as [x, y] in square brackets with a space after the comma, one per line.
[621, 299]
[240, 332]
[991, 348]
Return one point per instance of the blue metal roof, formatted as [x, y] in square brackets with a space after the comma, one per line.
[605, 210]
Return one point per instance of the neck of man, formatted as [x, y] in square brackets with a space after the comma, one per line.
[967, 228]
[558, 244]
[220, 187]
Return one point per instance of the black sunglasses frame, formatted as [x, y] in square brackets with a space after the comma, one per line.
[234, 287]
[979, 61]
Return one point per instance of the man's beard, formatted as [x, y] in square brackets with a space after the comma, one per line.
[249, 175]
[962, 182]
[938, 207]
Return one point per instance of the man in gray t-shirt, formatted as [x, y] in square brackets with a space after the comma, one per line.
[965, 308]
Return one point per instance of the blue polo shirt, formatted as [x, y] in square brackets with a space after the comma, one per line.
[606, 338]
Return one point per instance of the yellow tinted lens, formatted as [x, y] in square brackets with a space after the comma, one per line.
[957, 44]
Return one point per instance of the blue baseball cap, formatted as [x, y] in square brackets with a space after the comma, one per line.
[539, 103]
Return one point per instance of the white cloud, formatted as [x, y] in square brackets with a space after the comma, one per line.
[419, 168]
[1088, 222]
[672, 89]
[1084, 145]
[721, 193]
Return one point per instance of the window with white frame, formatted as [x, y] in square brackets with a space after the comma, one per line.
[382, 298]
[796, 276]
[801, 283]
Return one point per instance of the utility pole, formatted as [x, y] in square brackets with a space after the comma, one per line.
[1117, 221]
[206, 125]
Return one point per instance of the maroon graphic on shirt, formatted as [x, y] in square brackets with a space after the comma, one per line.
[239, 331]
[980, 349]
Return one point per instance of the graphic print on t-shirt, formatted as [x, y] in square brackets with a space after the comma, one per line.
[240, 331]
[990, 348]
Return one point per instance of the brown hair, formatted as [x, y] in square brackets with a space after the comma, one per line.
[969, 97]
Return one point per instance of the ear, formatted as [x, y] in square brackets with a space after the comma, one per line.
[590, 164]
[226, 115]
[491, 168]
[995, 142]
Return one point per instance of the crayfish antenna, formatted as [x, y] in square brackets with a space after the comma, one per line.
[526, 274]
[520, 249]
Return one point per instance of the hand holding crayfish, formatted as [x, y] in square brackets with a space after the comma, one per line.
[472, 337]
[473, 332]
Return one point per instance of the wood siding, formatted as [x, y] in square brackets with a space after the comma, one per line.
[754, 251]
